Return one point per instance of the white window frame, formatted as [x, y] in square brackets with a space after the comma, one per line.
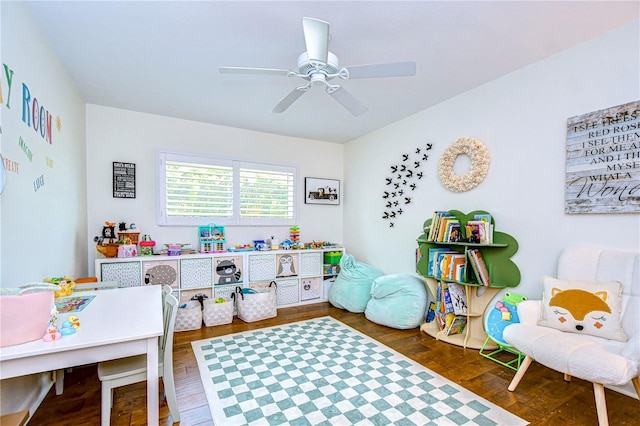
[163, 220]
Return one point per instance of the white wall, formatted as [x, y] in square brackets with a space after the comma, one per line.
[521, 118]
[120, 135]
[43, 232]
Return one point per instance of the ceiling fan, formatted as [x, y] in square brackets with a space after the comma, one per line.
[318, 67]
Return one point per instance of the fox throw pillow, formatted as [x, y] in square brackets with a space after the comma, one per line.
[586, 307]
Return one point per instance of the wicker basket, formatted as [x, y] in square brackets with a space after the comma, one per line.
[256, 306]
[189, 317]
[217, 313]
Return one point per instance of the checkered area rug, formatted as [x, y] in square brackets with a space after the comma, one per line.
[322, 372]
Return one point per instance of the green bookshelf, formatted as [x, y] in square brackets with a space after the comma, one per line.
[502, 271]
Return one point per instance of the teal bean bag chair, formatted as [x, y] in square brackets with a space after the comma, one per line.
[397, 301]
[352, 288]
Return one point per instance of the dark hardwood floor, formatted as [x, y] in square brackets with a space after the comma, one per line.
[542, 398]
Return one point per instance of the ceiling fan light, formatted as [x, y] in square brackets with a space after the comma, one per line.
[318, 78]
[307, 66]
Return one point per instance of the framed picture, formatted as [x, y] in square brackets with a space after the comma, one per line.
[321, 191]
[124, 180]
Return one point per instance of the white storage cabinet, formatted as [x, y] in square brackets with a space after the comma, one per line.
[301, 275]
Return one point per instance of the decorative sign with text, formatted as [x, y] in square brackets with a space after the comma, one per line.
[603, 161]
[124, 180]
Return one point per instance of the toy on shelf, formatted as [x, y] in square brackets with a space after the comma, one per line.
[315, 245]
[275, 244]
[146, 245]
[294, 236]
[212, 238]
[127, 250]
[261, 245]
[128, 234]
[67, 328]
[65, 286]
[52, 334]
[242, 247]
[288, 245]
[105, 243]
[75, 322]
[174, 249]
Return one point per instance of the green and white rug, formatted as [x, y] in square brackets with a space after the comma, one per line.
[322, 372]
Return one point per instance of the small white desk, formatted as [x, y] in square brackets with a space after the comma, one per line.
[116, 324]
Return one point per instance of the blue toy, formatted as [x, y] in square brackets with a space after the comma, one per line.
[67, 328]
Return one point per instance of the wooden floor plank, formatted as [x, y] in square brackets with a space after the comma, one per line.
[542, 398]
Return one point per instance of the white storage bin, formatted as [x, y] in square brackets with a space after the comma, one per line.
[217, 313]
[189, 317]
[287, 292]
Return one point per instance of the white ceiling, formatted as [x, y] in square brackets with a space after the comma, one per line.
[163, 57]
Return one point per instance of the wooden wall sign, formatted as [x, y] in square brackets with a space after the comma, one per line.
[603, 161]
[124, 180]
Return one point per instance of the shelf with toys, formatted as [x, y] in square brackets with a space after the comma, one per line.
[465, 263]
[302, 271]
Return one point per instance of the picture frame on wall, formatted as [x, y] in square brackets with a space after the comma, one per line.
[124, 180]
[321, 191]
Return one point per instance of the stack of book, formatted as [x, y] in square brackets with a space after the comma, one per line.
[451, 308]
[444, 228]
[446, 264]
[479, 268]
[447, 228]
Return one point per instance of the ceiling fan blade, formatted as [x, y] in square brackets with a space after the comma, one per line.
[288, 100]
[347, 100]
[391, 69]
[262, 71]
[316, 37]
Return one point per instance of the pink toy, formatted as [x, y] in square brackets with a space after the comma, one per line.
[52, 334]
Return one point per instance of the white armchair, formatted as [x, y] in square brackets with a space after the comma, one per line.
[611, 363]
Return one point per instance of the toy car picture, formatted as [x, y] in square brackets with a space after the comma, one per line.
[326, 193]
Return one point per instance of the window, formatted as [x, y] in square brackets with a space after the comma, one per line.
[199, 189]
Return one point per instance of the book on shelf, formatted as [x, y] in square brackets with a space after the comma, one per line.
[444, 227]
[440, 262]
[461, 271]
[457, 267]
[457, 325]
[431, 261]
[439, 303]
[485, 217]
[458, 298]
[446, 264]
[436, 222]
[446, 297]
[479, 267]
[479, 232]
[443, 299]
[432, 227]
[454, 232]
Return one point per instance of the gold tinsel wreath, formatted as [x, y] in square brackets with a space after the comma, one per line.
[477, 171]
